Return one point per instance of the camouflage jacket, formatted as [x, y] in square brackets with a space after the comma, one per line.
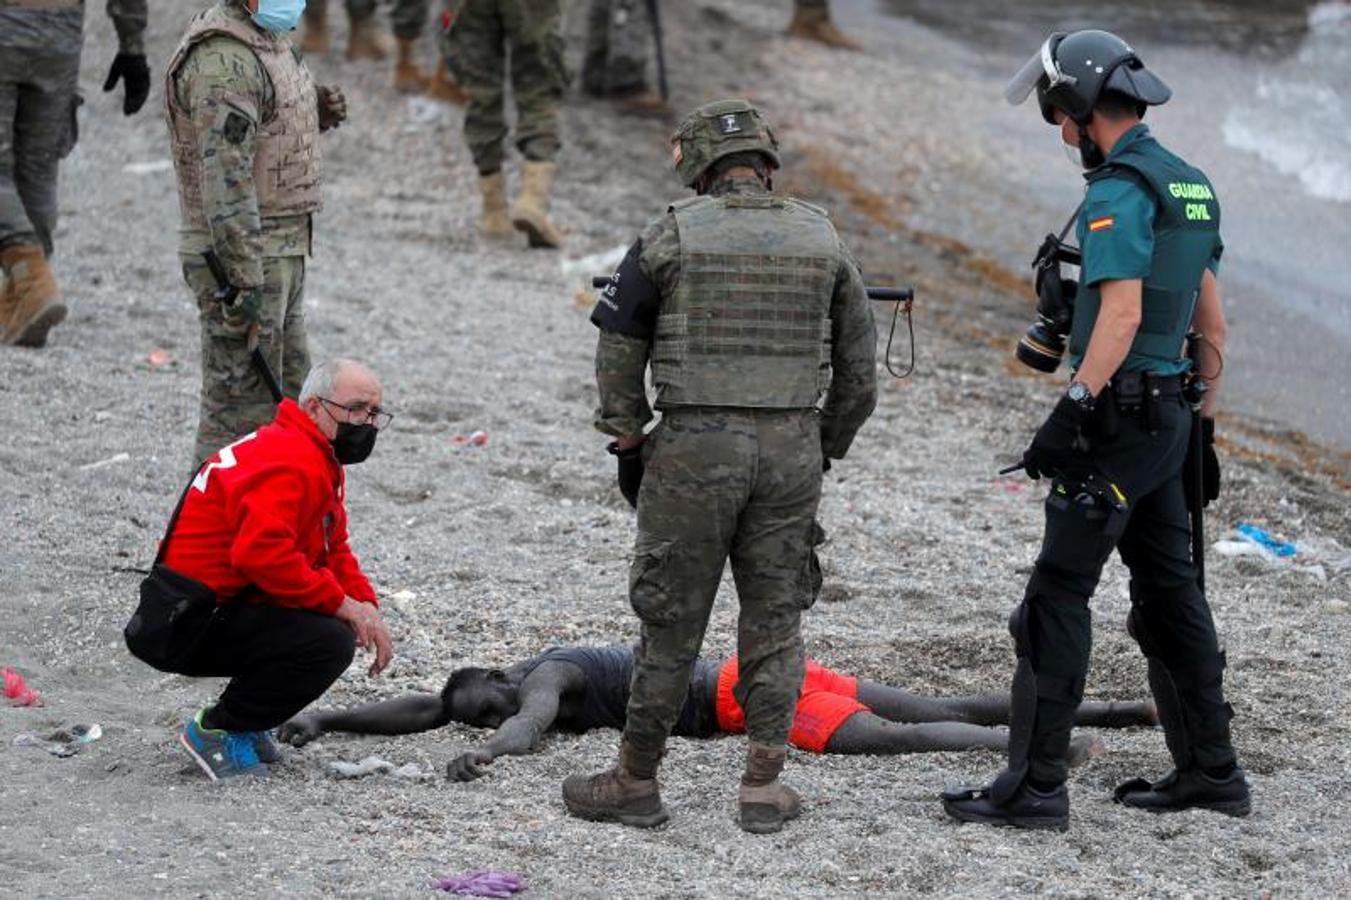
[228, 98]
[622, 359]
[56, 27]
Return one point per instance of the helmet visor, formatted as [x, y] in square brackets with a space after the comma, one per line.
[1042, 65]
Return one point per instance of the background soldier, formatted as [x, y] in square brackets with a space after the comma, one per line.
[365, 40]
[744, 303]
[1115, 446]
[244, 122]
[40, 42]
[618, 40]
[476, 44]
[811, 21]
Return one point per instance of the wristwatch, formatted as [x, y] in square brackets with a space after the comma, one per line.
[1081, 395]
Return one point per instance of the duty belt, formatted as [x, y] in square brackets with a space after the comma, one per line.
[1140, 392]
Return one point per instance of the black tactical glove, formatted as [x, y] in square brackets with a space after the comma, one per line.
[132, 70]
[1059, 444]
[332, 107]
[1210, 463]
[630, 475]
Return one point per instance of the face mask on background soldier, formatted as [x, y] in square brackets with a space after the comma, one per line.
[277, 15]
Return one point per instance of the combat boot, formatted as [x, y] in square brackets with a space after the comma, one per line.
[314, 39]
[764, 804]
[530, 212]
[814, 24]
[627, 794]
[493, 223]
[1189, 789]
[444, 88]
[365, 40]
[408, 78]
[32, 300]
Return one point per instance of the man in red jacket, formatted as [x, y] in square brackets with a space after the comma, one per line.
[264, 526]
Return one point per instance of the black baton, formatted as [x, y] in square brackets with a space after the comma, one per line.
[225, 295]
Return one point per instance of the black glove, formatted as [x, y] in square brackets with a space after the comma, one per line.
[131, 68]
[332, 106]
[1210, 463]
[1059, 444]
[630, 475]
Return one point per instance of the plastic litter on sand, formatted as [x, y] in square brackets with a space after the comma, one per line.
[486, 883]
[17, 691]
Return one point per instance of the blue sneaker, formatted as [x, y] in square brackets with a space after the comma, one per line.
[221, 754]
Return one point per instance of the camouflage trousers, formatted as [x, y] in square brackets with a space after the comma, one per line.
[234, 399]
[37, 130]
[481, 37]
[724, 483]
[618, 38]
[408, 17]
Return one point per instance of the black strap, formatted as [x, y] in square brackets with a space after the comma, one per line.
[173, 519]
[1074, 217]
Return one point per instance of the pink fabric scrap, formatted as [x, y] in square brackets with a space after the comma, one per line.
[17, 690]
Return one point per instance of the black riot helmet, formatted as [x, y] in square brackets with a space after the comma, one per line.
[1071, 71]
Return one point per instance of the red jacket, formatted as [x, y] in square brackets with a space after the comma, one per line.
[267, 512]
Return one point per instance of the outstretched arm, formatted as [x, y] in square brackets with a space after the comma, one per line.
[408, 714]
[539, 695]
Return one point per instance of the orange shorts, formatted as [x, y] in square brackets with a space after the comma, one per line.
[826, 700]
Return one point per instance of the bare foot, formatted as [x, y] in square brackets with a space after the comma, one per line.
[1085, 747]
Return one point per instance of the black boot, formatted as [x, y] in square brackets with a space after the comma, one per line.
[1027, 808]
[1189, 789]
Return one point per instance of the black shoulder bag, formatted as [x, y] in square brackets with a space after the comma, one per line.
[174, 611]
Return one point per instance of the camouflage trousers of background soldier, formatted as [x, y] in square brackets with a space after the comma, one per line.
[37, 130]
[483, 36]
[234, 398]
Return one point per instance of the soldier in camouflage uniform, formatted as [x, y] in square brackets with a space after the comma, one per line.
[244, 120]
[618, 37]
[477, 42]
[364, 37]
[811, 21]
[749, 309]
[40, 43]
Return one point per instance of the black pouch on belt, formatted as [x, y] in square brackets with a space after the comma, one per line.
[1150, 404]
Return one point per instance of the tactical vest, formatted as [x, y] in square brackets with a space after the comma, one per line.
[286, 158]
[749, 321]
[1186, 236]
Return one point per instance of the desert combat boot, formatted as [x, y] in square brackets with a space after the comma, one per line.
[445, 88]
[408, 78]
[627, 794]
[530, 212]
[764, 803]
[365, 40]
[813, 23]
[30, 305]
[314, 39]
[493, 223]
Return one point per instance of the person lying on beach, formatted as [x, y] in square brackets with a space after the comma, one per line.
[576, 689]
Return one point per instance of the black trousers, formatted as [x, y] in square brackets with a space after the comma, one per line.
[278, 660]
[1170, 616]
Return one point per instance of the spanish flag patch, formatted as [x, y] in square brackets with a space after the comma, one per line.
[1101, 224]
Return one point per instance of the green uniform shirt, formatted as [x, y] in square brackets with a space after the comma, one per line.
[1116, 232]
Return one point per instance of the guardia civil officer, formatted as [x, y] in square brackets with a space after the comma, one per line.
[748, 309]
[1114, 447]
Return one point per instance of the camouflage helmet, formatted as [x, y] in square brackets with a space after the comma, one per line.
[720, 129]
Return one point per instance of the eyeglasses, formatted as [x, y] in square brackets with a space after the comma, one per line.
[361, 413]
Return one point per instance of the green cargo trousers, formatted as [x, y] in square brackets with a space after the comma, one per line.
[724, 483]
[234, 399]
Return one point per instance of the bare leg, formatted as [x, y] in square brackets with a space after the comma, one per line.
[866, 733]
[897, 705]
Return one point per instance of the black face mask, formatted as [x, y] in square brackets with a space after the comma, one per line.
[353, 443]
